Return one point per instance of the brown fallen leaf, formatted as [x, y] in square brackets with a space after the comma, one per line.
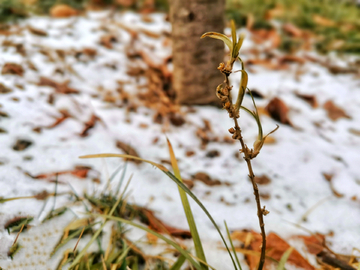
[334, 112]
[107, 40]
[125, 3]
[159, 226]
[89, 125]
[291, 59]
[4, 89]
[354, 131]
[58, 121]
[311, 99]
[314, 243]
[12, 68]
[128, 150]
[278, 111]
[292, 30]
[61, 88]
[79, 171]
[37, 32]
[262, 180]
[206, 179]
[275, 248]
[62, 11]
[21, 144]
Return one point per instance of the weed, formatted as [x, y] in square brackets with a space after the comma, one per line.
[223, 92]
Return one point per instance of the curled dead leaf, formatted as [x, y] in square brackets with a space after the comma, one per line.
[128, 150]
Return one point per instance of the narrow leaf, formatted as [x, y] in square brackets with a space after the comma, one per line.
[284, 258]
[187, 209]
[232, 246]
[222, 37]
[233, 33]
[242, 88]
[238, 45]
[179, 262]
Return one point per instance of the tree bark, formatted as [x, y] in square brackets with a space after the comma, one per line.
[195, 60]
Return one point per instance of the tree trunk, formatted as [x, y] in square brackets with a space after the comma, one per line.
[195, 60]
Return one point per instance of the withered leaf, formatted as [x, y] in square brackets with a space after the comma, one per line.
[79, 171]
[176, 119]
[62, 88]
[89, 125]
[262, 180]
[62, 11]
[311, 99]
[278, 110]
[159, 226]
[206, 179]
[292, 30]
[275, 248]
[107, 40]
[334, 112]
[354, 131]
[21, 144]
[314, 243]
[58, 121]
[12, 68]
[37, 32]
[4, 89]
[128, 150]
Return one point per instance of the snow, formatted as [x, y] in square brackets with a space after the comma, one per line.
[295, 163]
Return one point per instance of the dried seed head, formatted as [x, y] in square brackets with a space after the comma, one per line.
[232, 130]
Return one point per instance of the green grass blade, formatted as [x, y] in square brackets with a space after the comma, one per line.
[232, 246]
[284, 258]
[168, 241]
[179, 262]
[179, 183]
[187, 209]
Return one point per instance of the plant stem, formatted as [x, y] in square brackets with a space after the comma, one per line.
[247, 157]
[257, 198]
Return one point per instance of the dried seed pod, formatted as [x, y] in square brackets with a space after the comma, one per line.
[232, 130]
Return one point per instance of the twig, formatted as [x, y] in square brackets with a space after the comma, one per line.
[247, 156]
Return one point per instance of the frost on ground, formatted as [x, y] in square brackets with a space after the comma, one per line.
[97, 84]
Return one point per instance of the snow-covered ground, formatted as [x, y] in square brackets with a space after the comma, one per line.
[295, 162]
